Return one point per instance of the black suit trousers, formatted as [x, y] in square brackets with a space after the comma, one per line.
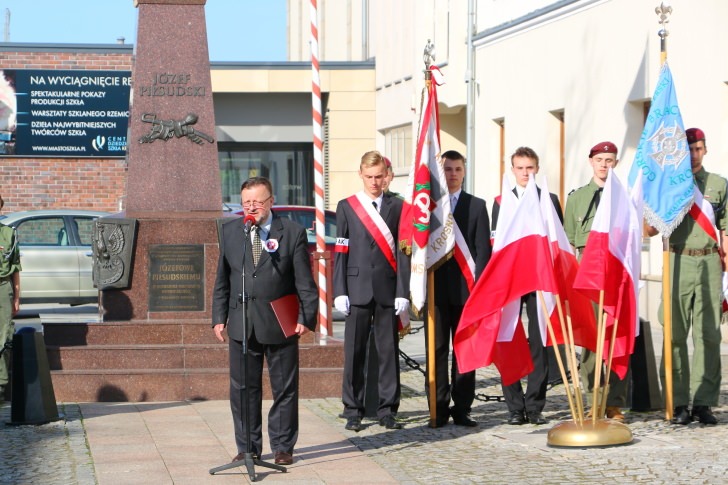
[359, 323]
[283, 415]
[534, 400]
[461, 387]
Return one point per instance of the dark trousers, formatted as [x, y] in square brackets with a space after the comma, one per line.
[459, 387]
[534, 400]
[359, 323]
[283, 415]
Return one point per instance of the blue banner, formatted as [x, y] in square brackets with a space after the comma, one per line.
[64, 113]
[663, 158]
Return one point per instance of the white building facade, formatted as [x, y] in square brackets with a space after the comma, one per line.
[558, 76]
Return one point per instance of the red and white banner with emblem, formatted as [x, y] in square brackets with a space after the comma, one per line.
[427, 224]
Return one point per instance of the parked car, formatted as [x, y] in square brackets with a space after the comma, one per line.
[55, 252]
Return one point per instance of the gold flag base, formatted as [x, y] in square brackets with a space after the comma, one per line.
[605, 432]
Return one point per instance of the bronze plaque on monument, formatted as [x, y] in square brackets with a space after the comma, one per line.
[176, 277]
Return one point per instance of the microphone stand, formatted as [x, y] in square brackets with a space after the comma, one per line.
[249, 459]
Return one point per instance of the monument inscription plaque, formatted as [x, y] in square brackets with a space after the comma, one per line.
[176, 277]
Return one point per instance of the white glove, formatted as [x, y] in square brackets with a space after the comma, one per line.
[725, 285]
[401, 305]
[342, 304]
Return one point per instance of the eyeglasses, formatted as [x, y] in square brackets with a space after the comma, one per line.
[255, 203]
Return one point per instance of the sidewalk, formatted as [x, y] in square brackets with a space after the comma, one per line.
[178, 442]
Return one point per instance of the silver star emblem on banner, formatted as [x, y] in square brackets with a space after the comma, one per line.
[668, 145]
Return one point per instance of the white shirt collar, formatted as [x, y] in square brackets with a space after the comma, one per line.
[378, 200]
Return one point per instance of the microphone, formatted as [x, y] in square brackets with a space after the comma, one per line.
[248, 221]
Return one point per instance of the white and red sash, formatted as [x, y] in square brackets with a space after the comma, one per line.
[375, 225]
[703, 215]
[702, 212]
[465, 260]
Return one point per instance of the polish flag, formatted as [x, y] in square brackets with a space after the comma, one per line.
[520, 264]
[610, 263]
[565, 267]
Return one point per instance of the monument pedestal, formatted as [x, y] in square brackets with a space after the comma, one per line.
[155, 341]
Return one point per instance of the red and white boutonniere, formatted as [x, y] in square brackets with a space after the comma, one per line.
[271, 245]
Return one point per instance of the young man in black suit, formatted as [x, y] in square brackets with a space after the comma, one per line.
[276, 264]
[371, 286]
[451, 293]
[528, 407]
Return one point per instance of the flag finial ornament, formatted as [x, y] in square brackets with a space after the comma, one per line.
[428, 56]
[664, 10]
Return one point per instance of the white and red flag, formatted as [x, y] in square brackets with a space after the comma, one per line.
[609, 262]
[565, 268]
[520, 264]
[427, 225]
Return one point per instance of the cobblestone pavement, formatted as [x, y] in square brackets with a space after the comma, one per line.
[54, 453]
[501, 453]
[58, 453]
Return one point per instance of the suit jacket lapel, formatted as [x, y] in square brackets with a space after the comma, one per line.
[276, 232]
[461, 210]
[386, 207]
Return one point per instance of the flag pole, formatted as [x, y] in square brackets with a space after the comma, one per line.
[575, 379]
[431, 367]
[432, 388]
[664, 11]
[320, 256]
[598, 364]
[608, 374]
[558, 356]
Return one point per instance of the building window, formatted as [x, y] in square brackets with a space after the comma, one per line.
[288, 166]
[398, 146]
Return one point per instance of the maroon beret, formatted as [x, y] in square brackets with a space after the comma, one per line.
[603, 147]
[694, 135]
[388, 162]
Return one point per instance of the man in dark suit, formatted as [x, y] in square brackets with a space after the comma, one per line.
[276, 264]
[451, 293]
[371, 286]
[528, 407]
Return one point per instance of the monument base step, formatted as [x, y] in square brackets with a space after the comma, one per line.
[143, 385]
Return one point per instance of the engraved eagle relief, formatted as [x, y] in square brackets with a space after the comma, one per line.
[107, 248]
[166, 129]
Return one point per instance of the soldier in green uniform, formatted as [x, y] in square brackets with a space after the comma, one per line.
[696, 296]
[9, 294]
[579, 215]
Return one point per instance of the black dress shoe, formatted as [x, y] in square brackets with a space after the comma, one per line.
[283, 458]
[536, 418]
[389, 422]
[704, 414]
[516, 418]
[464, 420]
[354, 424]
[681, 416]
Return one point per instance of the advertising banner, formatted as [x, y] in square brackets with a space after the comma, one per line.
[55, 113]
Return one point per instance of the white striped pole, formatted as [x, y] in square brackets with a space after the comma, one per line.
[324, 325]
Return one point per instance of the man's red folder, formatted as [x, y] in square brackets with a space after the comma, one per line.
[286, 310]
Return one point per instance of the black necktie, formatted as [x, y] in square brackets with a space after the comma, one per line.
[374, 203]
[257, 246]
[593, 204]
